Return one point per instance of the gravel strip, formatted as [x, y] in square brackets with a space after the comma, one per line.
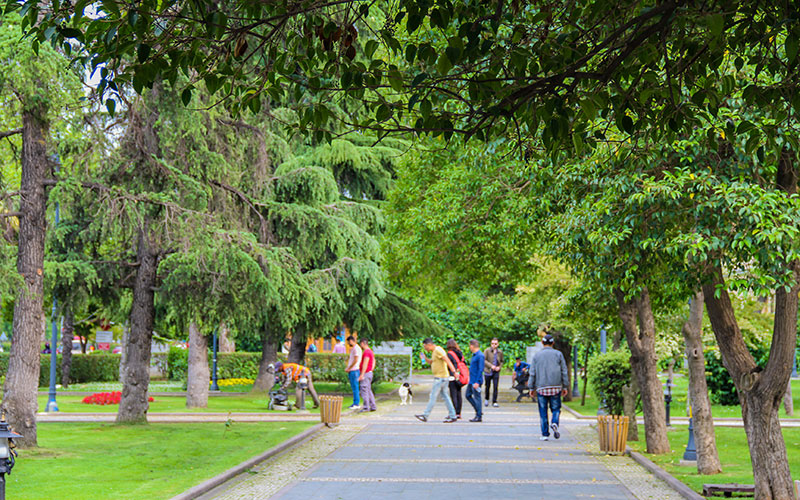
[636, 478]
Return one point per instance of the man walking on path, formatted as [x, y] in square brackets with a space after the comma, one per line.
[365, 379]
[475, 379]
[353, 365]
[493, 363]
[440, 363]
[549, 380]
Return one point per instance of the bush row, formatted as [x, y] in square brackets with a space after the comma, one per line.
[95, 367]
[325, 367]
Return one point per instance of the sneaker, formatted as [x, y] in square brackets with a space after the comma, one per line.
[554, 428]
[458, 417]
[496, 405]
[354, 407]
[422, 418]
[544, 438]
[486, 403]
[476, 419]
[449, 420]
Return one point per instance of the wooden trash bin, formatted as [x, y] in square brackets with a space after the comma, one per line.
[330, 409]
[613, 430]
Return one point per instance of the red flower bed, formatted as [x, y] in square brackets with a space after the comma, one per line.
[105, 398]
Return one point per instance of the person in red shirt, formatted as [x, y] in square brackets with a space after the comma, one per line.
[291, 373]
[365, 378]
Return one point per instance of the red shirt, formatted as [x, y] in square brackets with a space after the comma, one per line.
[370, 357]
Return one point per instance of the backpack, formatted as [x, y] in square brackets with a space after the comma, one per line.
[463, 372]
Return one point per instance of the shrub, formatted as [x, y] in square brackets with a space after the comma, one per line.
[720, 383]
[326, 367]
[95, 367]
[608, 374]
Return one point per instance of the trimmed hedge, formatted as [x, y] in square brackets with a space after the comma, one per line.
[326, 367]
[95, 367]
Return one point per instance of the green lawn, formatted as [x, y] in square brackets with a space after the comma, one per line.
[240, 403]
[733, 454]
[678, 405]
[106, 461]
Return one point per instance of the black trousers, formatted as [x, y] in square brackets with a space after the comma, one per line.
[494, 377]
[455, 395]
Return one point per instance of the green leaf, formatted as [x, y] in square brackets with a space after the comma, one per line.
[110, 6]
[143, 52]
[370, 48]
[111, 106]
[186, 96]
[419, 79]
[745, 126]
[414, 20]
[791, 45]
[716, 24]
[443, 64]
[383, 112]
[396, 80]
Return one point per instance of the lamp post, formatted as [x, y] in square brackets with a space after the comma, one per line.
[603, 339]
[51, 393]
[668, 397]
[691, 451]
[214, 386]
[7, 454]
[575, 391]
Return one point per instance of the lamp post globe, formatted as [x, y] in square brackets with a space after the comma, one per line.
[7, 453]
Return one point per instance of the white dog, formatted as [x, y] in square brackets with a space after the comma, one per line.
[405, 394]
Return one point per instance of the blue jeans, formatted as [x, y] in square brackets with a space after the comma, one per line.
[440, 386]
[474, 397]
[353, 376]
[555, 407]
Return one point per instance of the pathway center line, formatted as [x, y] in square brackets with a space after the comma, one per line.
[461, 480]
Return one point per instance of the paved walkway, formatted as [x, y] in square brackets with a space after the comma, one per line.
[392, 455]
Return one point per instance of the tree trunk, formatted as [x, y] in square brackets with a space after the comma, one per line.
[269, 355]
[630, 396]
[198, 374]
[617, 336]
[67, 335]
[133, 405]
[788, 403]
[760, 393]
[22, 376]
[641, 341]
[224, 342]
[297, 350]
[705, 439]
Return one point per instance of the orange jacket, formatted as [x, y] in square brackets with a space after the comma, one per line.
[293, 371]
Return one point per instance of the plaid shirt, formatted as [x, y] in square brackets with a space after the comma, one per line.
[549, 391]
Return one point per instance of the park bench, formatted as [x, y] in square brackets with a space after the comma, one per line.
[728, 490]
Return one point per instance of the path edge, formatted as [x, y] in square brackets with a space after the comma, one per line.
[672, 481]
[210, 484]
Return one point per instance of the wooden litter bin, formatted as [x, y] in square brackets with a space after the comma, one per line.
[330, 409]
[613, 430]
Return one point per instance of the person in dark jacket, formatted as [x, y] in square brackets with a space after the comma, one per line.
[548, 382]
[455, 386]
[493, 363]
[475, 379]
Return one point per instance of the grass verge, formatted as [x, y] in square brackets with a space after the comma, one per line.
[156, 461]
[239, 403]
[678, 405]
[733, 454]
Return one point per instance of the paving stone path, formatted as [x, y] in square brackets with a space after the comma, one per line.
[389, 454]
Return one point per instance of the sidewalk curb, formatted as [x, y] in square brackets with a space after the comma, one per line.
[229, 474]
[682, 489]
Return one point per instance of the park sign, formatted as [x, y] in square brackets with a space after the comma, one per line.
[103, 339]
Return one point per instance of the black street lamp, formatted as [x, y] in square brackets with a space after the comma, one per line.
[7, 454]
[691, 451]
[52, 406]
[668, 397]
[214, 386]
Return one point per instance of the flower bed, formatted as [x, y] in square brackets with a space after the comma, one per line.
[106, 398]
[225, 382]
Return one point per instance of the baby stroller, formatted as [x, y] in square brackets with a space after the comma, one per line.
[522, 385]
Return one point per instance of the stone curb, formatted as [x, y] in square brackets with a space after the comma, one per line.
[682, 489]
[718, 422]
[229, 474]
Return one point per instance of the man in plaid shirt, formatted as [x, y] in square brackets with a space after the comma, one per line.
[549, 379]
